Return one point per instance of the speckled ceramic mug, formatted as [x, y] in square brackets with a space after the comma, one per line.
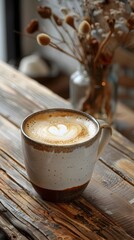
[60, 148]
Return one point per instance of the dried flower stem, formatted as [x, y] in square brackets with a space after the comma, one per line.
[53, 45]
[101, 47]
[53, 37]
[24, 34]
[72, 41]
[81, 53]
[74, 50]
[62, 36]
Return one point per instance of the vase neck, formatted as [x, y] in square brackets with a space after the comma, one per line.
[96, 75]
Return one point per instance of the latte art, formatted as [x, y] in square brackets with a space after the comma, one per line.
[60, 128]
[60, 133]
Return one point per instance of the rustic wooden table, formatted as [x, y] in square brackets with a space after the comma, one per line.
[105, 211]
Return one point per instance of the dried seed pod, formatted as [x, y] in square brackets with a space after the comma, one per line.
[70, 21]
[43, 39]
[111, 23]
[32, 26]
[57, 20]
[44, 12]
[64, 10]
[84, 27]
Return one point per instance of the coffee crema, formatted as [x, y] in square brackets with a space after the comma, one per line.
[60, 128]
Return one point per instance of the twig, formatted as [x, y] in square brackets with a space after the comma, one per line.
[101, 47]
[62, 36]
[53, 45]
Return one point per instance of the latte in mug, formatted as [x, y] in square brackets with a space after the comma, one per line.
[60, 128]
[60, 149]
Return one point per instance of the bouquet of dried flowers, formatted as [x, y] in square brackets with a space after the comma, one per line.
[91, 30]
[95, 32]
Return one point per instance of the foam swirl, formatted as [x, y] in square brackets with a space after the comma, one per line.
[61, 133]
[60, 129]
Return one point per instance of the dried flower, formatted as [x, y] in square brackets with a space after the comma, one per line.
[43, 39]
[44, 12]
[57, 20]
[70, 21]
[111, 24]
[32, 26]
[84, 27]
[97, 30]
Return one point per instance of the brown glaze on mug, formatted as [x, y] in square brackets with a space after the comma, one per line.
[60, 195]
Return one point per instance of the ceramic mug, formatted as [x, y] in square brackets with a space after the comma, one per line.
[60, 149]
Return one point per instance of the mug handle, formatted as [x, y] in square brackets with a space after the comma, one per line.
[106, 133]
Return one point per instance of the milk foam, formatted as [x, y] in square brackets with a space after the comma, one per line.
[60, 128]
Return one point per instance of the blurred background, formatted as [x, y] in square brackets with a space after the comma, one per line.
[55, 68]
[20, 50]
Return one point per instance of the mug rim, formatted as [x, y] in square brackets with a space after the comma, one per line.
[35, 142]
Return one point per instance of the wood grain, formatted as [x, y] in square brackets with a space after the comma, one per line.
[105, 211]
[79, 220]
[30, 88]
[112, 187]
[8, 230]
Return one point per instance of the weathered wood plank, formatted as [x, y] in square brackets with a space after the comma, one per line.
[8, 231]
[83, 222]
[10, 140]
[104, 211]
[29, 88]
[110, 203]
[30, 96]
[12, 109]
[20, 227]
[56, 224]
[112, 188]
[118, 141]
[119, 162]
[116, 184]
